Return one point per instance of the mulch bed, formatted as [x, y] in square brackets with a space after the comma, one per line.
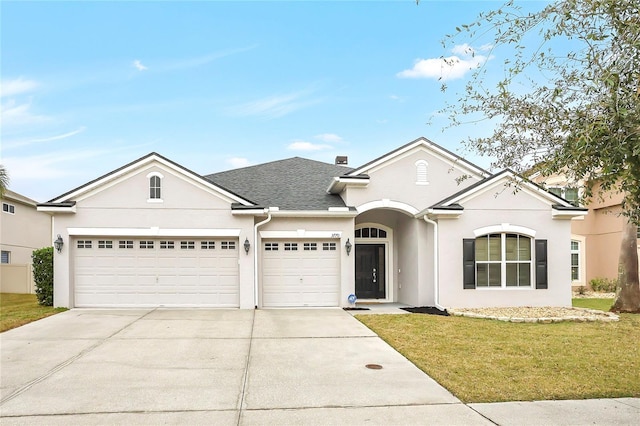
[430, 310]
[356, 309]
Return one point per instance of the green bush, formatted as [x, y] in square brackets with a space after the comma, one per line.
[604, 285]
[43, 275]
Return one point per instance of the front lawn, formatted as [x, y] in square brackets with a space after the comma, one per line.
[20, 309]
[482, 360]
[599, 304]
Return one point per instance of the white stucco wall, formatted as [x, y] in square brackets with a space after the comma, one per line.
[497, 207]
[186, 205]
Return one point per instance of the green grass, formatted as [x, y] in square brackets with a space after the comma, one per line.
[599, 304]
[20, 309]
[481, 360]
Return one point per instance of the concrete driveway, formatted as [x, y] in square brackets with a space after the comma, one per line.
[201, 366]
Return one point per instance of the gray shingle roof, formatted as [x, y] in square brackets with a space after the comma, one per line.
[291, 184]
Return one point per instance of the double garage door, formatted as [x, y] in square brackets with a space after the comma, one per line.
[143, 272]
[300, 273]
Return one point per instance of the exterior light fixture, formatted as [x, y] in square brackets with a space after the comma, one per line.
[247, 245]
[58, 243]
[348, 246]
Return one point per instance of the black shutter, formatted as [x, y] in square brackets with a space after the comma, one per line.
[469, 263]
[541, 264]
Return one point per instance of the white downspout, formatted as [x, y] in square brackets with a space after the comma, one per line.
[436, 275]
[255, 256]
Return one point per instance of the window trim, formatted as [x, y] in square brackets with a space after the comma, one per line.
[11, 208]
[578, 268]
[151, 187]
[503, 262]
[563, 192]
[422, 172]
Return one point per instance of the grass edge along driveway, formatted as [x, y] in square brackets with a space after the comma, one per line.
[21, 309]
[481, 360]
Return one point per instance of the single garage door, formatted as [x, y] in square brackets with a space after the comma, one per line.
[128, 272]
[300, 273]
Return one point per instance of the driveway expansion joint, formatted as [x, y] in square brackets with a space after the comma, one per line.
[25, 387]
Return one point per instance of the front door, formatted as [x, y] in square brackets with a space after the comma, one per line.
[370, 271]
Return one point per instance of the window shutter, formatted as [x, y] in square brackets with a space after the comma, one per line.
[469, 263]
[541, 264]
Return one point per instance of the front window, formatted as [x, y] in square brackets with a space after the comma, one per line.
[570, 194]
[503, 260]
[8, 208]
[6, 256]
[575, 260]
[154, 188]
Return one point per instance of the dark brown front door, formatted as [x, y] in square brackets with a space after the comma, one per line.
[370, 271]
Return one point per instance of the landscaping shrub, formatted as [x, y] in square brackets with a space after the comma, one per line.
[43, 275]
[604, 285]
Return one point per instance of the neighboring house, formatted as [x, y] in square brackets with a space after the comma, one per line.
[596, 240]
[22, 230]
[418, 225]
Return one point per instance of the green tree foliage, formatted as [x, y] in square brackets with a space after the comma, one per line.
[43, 275]
[4, 180]
[572, 110]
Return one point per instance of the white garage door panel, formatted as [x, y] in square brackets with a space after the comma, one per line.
[106, 277]
[300, 277]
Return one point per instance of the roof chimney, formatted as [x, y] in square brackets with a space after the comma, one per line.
[342, 159]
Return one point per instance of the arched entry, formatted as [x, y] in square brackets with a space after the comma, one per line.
[372, 261]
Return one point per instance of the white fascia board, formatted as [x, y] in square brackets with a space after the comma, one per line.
[153, 232]
[568, 214]
[313, 213]
[109, 177]
[339, 183]
[444, 214]
[386, 158]
[524, 184]
[301, 234]
[54, 209]
[249, 212]
[115, 177]
[457, 162]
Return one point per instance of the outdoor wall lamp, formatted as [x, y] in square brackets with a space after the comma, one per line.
[58, 243]
[247, 245]
[348, 246]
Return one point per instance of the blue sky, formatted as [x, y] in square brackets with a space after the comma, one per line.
[90, 86]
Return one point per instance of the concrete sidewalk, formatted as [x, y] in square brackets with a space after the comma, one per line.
[201, 366]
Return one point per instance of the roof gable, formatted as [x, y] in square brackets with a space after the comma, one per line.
[18, 198]
[503, 179]
[433, 148]
[118, 175]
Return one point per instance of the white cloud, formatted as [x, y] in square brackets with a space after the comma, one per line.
[138, 65]
[307, 146]
[275, 106]
[26, 142]
[237, 162]
[197, 61]
[453, 67]
[14, 114]
[49, 166]
[16, 86]
[329, 137]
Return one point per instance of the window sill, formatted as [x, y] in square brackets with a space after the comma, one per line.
[155, 200]
[505, 288]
